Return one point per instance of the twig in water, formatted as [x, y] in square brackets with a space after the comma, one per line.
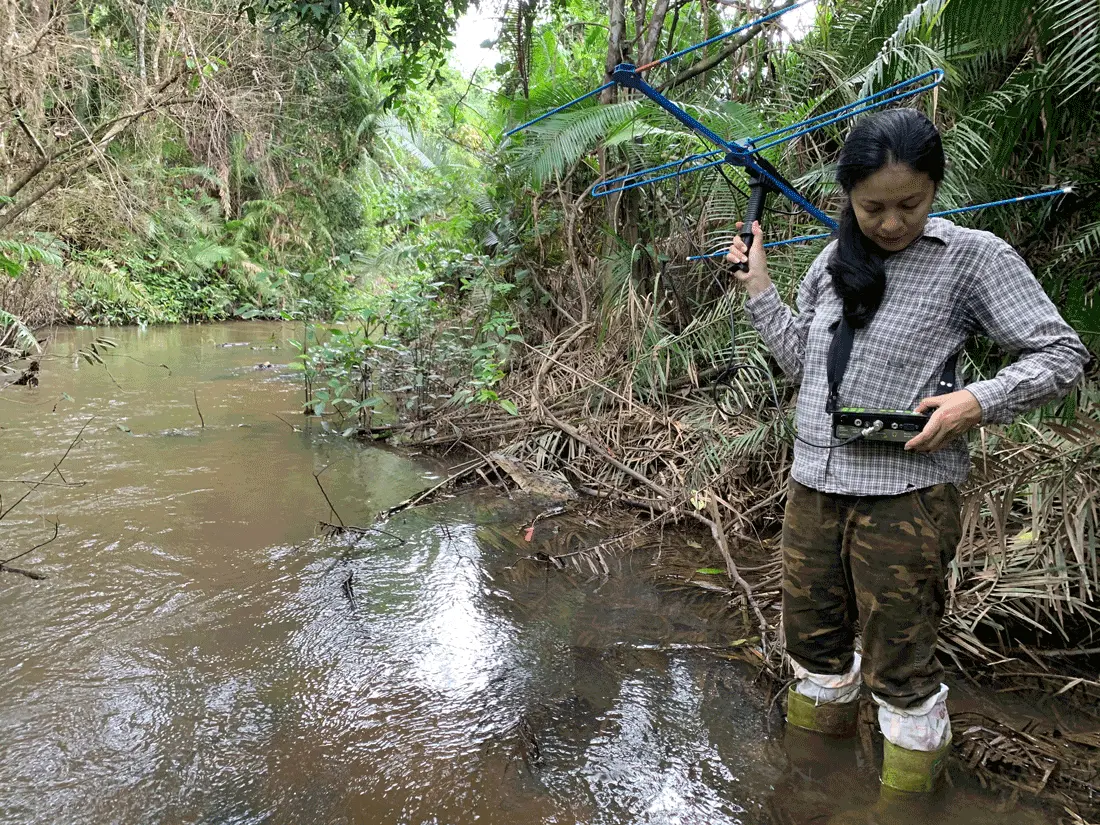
[363, 531]
[292, 427]
[349, 588]
[317, 478]
[202, 423]
[30, 574]
[143, 363]
[43, 483]
[56, 530]
[56, 469]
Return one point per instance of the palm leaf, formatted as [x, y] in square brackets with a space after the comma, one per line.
[14, 333]
[558, 142]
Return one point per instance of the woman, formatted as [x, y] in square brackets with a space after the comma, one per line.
[871, 526]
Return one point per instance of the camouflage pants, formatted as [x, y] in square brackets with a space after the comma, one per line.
[881, 560]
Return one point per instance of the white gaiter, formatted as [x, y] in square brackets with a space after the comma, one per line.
[925, 727]
[822, 688]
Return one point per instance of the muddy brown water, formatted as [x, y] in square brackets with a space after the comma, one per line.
[198, 655]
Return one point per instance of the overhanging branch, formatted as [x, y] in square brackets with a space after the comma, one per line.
[709, 63]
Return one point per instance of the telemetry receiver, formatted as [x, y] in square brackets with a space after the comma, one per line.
[896, 426]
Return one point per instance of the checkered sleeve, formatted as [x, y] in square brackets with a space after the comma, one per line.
[1008, 304]
[784, 332]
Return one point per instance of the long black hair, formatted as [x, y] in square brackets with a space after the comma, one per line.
[895, 136]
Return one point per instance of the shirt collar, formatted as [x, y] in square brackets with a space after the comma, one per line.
[939, 229]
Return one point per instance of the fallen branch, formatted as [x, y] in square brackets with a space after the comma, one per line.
[716, 530]
[30, 574]
[605, 455]
[415, 500]
[336, 529]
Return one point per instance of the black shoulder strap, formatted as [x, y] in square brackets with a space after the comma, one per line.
[840, 351]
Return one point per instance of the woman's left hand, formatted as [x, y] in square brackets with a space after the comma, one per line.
[955, 413]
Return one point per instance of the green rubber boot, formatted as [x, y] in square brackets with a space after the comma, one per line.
[830, 718]
[912, 771]
[892, 808]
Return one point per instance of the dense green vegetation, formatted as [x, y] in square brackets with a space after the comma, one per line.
[165, 163]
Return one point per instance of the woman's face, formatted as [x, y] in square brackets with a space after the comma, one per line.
[892, 205]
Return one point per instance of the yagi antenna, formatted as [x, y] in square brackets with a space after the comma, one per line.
[764, 178]
[1051, 193]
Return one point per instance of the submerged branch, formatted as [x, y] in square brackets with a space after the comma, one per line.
[719, 533]
[317, 478]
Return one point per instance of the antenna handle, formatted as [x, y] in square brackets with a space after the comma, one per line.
[758, 194]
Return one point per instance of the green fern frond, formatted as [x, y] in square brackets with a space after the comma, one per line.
[15, 255]
[104, 279]
[1086, 245]
[16, 334]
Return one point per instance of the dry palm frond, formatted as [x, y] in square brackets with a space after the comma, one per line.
[1032, 760]
[1029, 559]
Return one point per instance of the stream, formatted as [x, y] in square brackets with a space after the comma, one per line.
[199, 654]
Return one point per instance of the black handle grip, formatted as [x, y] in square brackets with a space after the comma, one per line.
[758, 193]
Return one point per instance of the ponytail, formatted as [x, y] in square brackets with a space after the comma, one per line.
[857, 271]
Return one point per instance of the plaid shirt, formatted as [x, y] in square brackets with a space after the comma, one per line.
[946, 285]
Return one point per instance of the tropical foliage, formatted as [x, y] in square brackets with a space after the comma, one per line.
[630, 337]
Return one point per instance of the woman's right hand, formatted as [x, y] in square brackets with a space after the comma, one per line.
[756, 280]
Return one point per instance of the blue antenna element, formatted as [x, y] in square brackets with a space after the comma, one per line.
[561, 108]
[864, 104]
[604, 187]
[760, 21]
[1065, 190]
[762, 174]
[767, 18]
[899, 91]
[764, 178]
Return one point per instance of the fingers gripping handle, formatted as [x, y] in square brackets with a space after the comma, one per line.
[758, 193]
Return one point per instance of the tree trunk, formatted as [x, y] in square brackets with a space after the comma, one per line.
[616, 54]
[653, 34]
[141, 18]
[616, 46]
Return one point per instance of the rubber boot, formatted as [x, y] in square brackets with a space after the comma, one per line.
[891, 808]
[830, 718]
[820, 758]
[914, 772]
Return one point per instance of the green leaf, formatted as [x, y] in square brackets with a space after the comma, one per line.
[509, 406]
[711, 571]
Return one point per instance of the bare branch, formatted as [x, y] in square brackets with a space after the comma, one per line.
[56, 469]
[56, 530]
